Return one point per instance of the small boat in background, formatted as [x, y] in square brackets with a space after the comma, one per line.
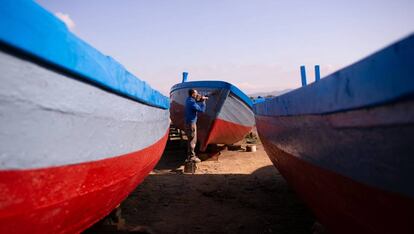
[228, 116]
[346, 143]
[78, 132]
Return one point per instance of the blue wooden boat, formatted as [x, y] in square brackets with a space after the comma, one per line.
[228, 116]
[78, 132]
[346, 143]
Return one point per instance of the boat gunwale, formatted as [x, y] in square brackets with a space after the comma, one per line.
[24, 55]
[29, 29]
[380, 78]
[215, 84]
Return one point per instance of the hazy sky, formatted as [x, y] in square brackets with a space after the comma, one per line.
[257, 45]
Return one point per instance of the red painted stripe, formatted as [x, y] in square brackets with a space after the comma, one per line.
[68, 199]
[343, 205]
[225, 132]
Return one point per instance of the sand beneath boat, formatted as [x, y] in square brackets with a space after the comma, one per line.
[233, 192]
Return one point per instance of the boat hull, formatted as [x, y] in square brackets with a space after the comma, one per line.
[227, 119]
[345, 143]
[351, 168]
[70, 151]
[69, 199]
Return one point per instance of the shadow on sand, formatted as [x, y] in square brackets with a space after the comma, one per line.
[169, 201]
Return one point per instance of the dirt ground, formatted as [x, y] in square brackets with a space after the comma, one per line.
[231, 192]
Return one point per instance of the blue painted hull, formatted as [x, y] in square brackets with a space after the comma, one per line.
[228, 117]
[345, 143]
[78, 132]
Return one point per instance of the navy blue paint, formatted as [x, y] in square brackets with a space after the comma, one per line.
[384, 77]
[26, 26]
[185, 76]
[317, 73]
[303, 75]
[215, 84]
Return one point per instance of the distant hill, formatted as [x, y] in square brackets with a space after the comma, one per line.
[273, 93]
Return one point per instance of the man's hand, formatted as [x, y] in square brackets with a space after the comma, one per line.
[200, 98]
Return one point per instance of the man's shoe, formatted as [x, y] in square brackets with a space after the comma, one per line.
[195, 159]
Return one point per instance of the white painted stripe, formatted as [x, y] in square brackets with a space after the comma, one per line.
[48, 119]
[372, 145]
[236, 111]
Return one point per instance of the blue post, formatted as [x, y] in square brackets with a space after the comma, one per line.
[185, 75]
[303, 75]
[317, 73]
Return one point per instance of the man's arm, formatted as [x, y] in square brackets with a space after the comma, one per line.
[199, 107]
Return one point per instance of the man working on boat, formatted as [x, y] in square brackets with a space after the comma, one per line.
[193, 104]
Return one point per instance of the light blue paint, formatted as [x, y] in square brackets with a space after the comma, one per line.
[383, 77]
[317, 73]
[185, 76]
[28, 27]
[214, 84]
[258, 100]
[303, 75]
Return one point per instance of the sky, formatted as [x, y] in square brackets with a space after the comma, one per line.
[257, 45]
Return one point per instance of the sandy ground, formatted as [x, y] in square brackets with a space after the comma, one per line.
[233, 192]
